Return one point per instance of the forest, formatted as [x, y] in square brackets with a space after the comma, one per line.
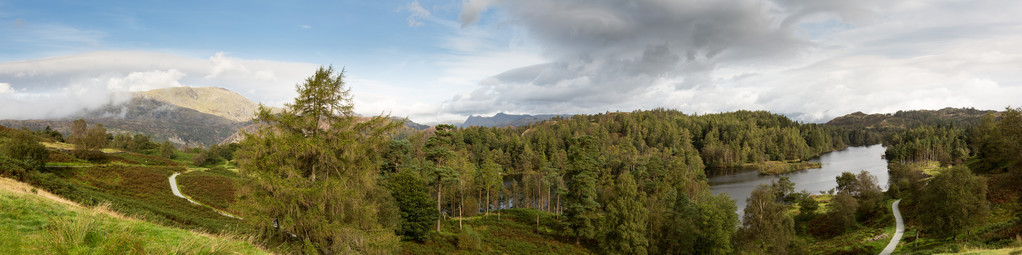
[318, 179]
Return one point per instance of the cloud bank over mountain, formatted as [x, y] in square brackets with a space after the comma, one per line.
[59, 86]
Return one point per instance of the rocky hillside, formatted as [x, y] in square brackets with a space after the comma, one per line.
[185, 116]
[162, 121]
[909, 119]
[504, 120]
[210, 100]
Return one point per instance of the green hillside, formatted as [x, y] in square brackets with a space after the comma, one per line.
[33, 221]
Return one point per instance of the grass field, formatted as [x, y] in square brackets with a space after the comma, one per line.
[33, 221]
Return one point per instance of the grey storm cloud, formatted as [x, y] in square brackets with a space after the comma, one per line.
[606, 52]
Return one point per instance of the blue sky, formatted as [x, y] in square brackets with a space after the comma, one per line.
[444, 60]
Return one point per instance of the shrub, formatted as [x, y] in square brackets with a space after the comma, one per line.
[469, 240]
[24, 147]
[12, 168]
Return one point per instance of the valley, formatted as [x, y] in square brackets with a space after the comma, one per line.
[504, 189]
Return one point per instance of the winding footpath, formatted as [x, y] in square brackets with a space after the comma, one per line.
[899, 230]
[174, 189]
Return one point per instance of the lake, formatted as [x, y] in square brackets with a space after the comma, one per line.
[739, 184]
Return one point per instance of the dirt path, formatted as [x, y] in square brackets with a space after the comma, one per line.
[899, 230]
[177, 192]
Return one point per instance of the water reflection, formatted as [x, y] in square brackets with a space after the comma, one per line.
[740, 183]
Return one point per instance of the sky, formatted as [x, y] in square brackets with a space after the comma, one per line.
[437, 61]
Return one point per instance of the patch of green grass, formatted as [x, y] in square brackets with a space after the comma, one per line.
[781, 167]
[183, 157]
[33, 225]
[983, 251]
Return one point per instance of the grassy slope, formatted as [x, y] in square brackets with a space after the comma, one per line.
[33, 221]
[214, 187]
[514, 233]
[133, 184]
[999, 233]
[853, 241]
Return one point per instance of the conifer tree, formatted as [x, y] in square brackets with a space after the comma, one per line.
[313, 174]
[581, 208]
[625, 223]
[412, 198]
[438, 150]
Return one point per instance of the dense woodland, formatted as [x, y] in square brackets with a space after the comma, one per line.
[961, 183]
[628, 183]
[316, 178]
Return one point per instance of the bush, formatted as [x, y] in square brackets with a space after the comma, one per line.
[12, 168]
[26, 148]
[469, 240]
[823, 226]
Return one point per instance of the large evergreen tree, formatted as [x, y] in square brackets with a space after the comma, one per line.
[313, 174]
[625, 222]
[438, 150]
[412, 198]
[581, 209]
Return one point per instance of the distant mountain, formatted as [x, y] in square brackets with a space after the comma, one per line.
[910, 119]
[410, 124]
[162, 121]
[504, 120]
[186, 116]
[210, 100]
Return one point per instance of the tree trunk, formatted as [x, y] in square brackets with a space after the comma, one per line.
[438, 211]
[487, 201]
[461, 209]
[558, 206]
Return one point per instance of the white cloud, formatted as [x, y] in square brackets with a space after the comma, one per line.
[5, 88]
[305, 27]
[417, 13]
[221, 64]
[142, 81]
[58, 86]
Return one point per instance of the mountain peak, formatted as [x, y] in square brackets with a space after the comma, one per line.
[210, 100]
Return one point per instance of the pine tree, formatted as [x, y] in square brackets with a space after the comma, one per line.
[314, 174]
[412, 198]
[625, 222]
[438, 150]
[581, 208]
